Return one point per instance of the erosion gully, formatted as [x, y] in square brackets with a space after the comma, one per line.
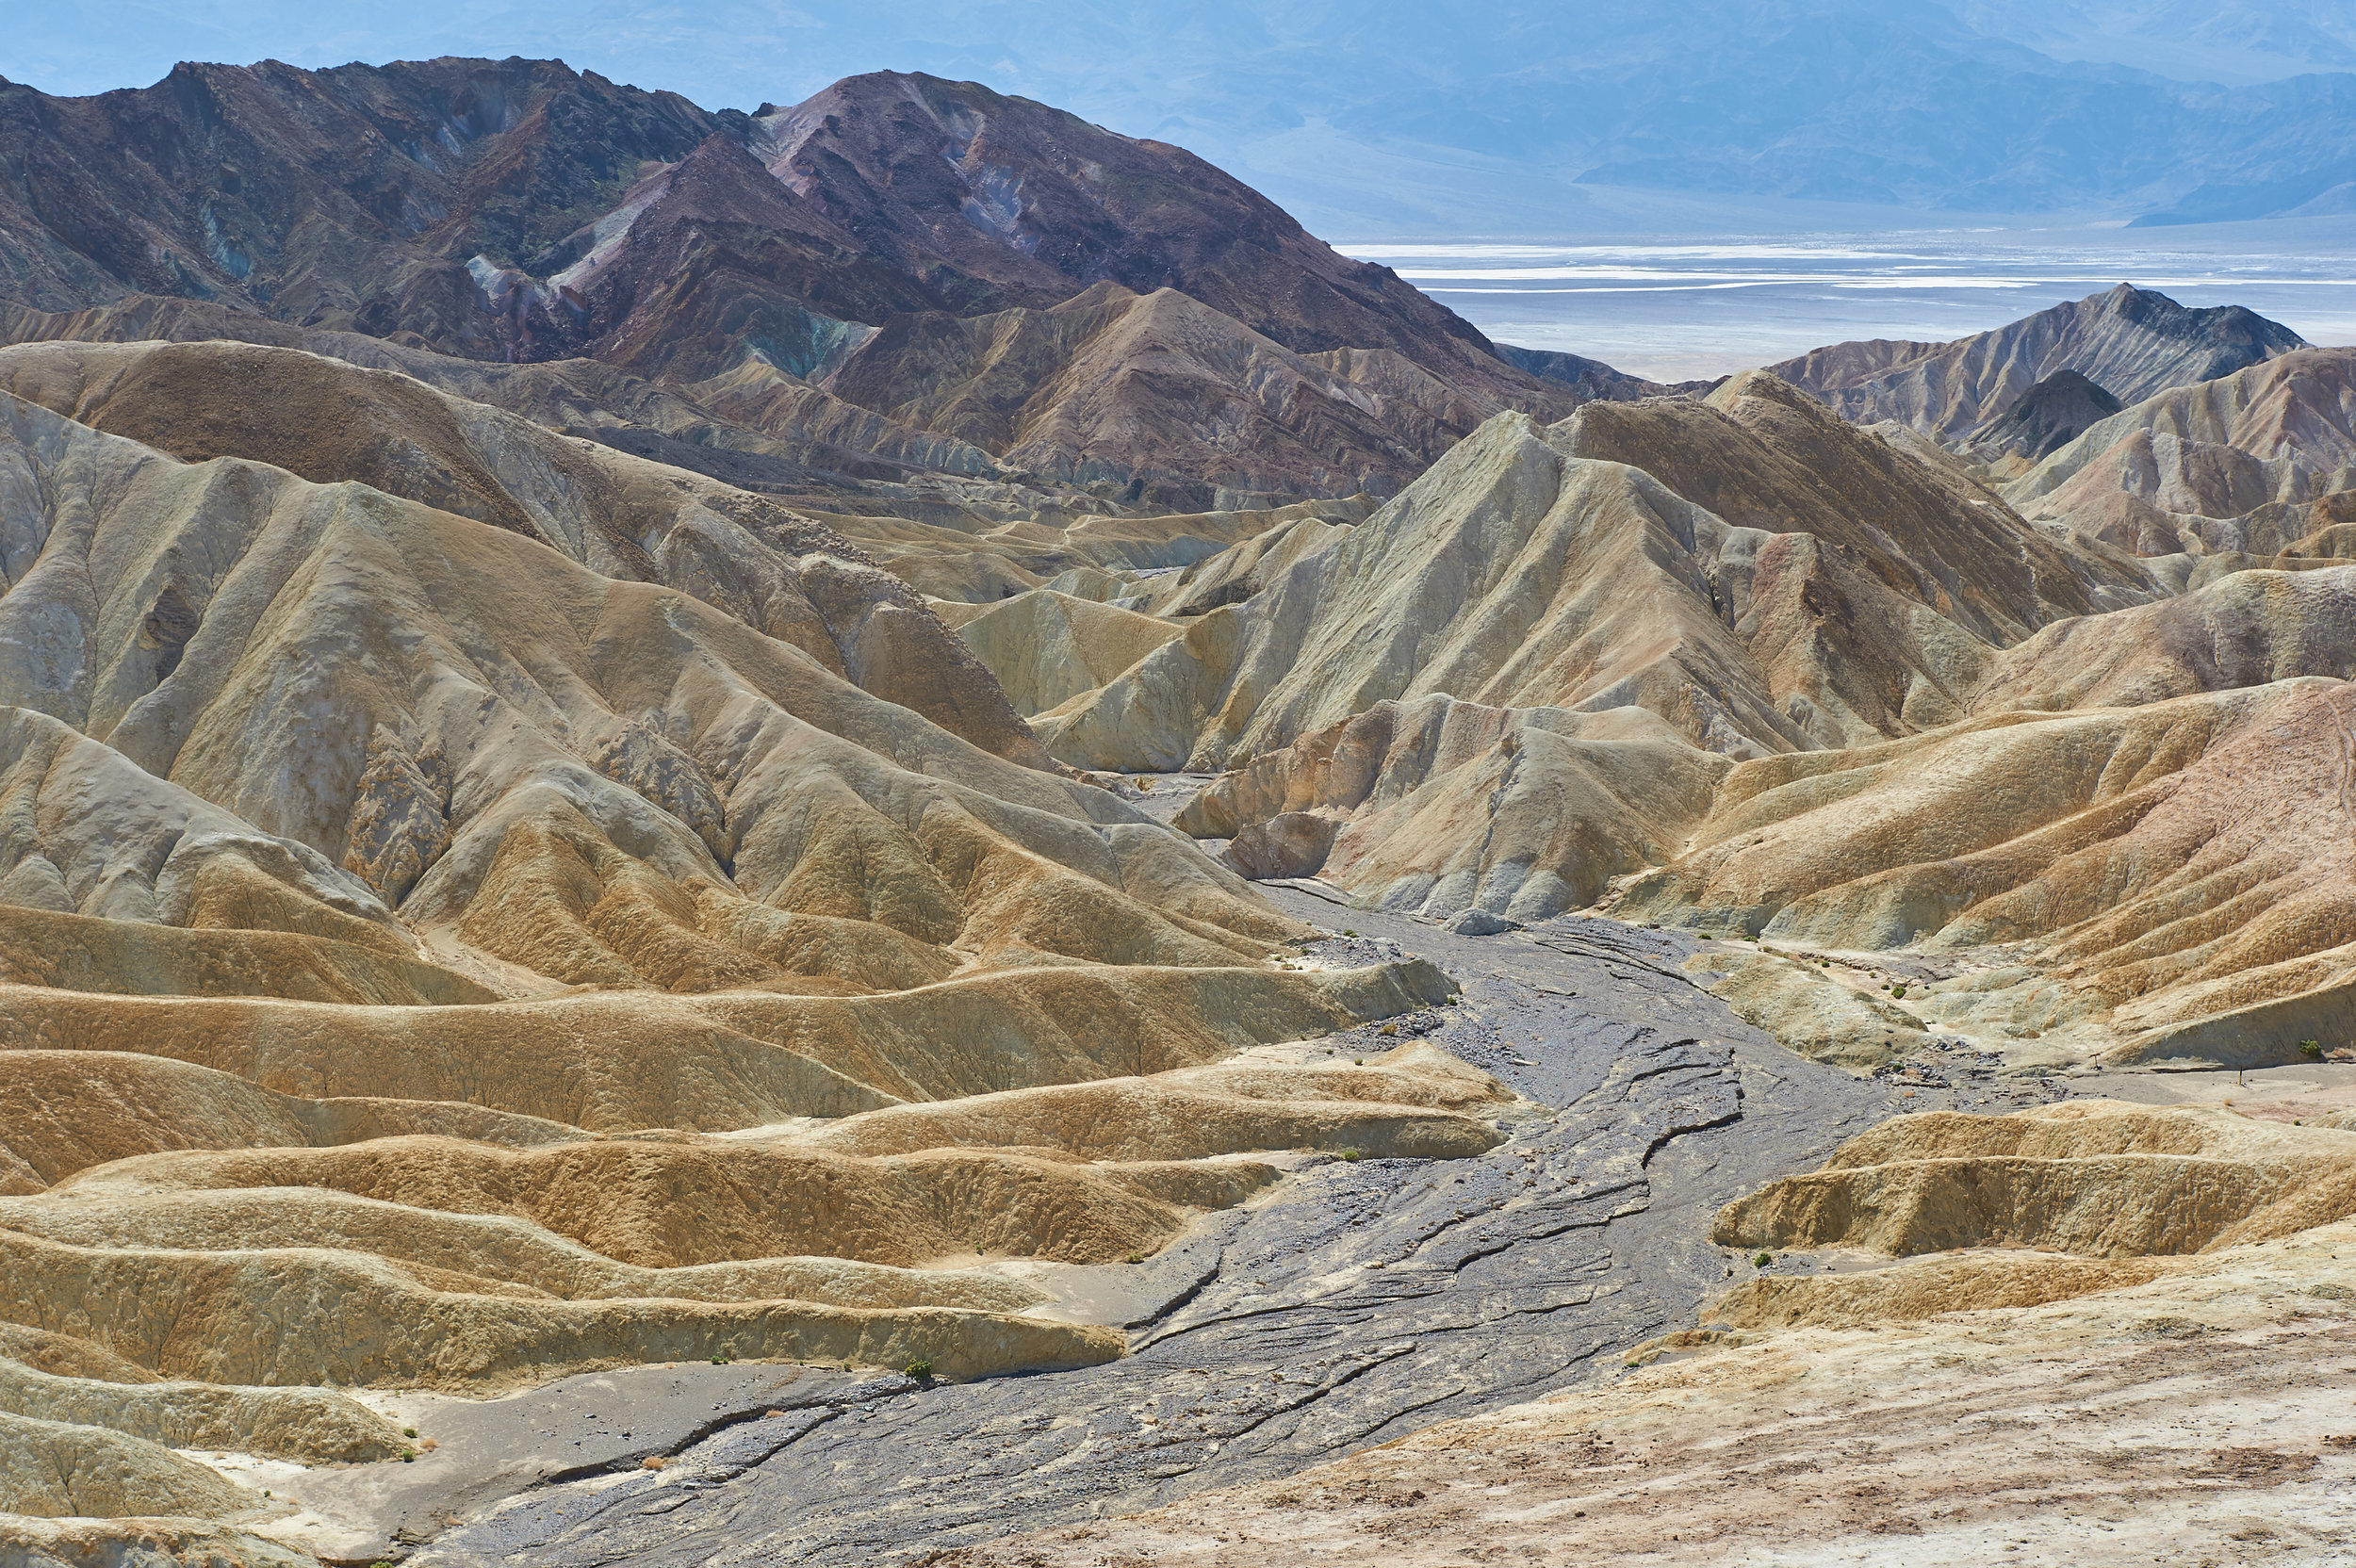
[1366, 1300]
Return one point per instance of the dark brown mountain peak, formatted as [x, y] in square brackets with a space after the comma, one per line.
[2048, 416]
[394, 176]
[1032, 204]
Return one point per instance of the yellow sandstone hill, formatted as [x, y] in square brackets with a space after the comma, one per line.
[1753, 571]
[432, 882]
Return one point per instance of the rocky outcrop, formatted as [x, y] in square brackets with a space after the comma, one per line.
[1437, 805]
[2227, 466]
[2131, 341]
[1047, 648]
[772, 568]
[1749, 568]
[1024, 204]
[2047, 416]
[1223, 414]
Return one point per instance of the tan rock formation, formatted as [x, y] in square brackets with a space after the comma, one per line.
[2169, 872]
[69, 1110]
[1438, 804]
[1533, 567]
[433, 1261]
[54, 1469]
[622, 516]
[2281, 431]
[356, 852]
[1808, 1013]
[2095, 1179]
[1047, 648]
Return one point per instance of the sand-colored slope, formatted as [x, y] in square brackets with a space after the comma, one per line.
[2283, 430]
[1506, 575]
[1439, 806]
[551, 766]
[1810, 1011]
[665, 1204]
[1234, 574]
[955, 558]
[2107, 809]
[500, 1254]
[310, 1426]
[69, 1110]
[436, 1260]
[2094, 1179]
[79, 953]
[2173, 871]
[271, 745]
[2244, 468]
[1412, 1103]
[55, 1469]
[2247, 628]
[1758, 453]
[67, 1541]
[1048, 647]
[88, 832]
[615, 1062]
[1845, 591]
[621, 516]
[275, 1319]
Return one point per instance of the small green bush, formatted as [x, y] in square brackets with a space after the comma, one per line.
[1352, 1156]
[1898, 992]
[921, 1371]
[719, 1359]
[1762, 1260]
[1347, 932]
[408, 1431]
[2312, 1050]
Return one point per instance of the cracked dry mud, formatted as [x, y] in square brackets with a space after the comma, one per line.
[1366, 1300]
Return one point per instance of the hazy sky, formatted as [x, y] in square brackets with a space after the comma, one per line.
[1151, 54]
[1466, 116]
[721, 52]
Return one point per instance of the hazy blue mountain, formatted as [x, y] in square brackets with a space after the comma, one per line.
[1444, 112]
[2235, 42]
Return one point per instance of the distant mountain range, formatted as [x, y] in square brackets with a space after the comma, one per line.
[900, 280]
[1450, 117]
[1053, 301]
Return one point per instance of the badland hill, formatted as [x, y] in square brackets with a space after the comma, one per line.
[904, 735]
